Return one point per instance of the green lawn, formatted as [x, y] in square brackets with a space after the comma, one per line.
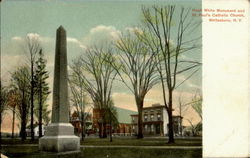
[141, 142]
[12, 150]
[33, 152]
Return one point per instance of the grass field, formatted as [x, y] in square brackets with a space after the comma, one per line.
[142, 142]
[27, 151]
[122, 141]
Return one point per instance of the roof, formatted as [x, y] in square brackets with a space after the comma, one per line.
[124, 115]
[153, 107]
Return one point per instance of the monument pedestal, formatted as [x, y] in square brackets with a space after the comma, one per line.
[59, 137]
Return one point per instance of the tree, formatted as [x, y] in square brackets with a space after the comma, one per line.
[169, 34]
[21, 80]
[97, 75]
[3, 100]
[41, 90]
[136, 69]
[33, 47]
[14, 99]
[182, 107]
[197, 104]
[78, 98]
[111, 117]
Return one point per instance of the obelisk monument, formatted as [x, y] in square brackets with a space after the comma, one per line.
[59, 135]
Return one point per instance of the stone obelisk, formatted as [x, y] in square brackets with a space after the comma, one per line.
[59, 135]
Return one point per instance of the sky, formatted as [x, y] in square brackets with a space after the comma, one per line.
[86, 23]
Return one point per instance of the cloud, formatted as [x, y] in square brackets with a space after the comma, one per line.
[101, 34]
[16, 38]
[109, 30]
[76, 41]
[133, 29]
[73, 40]
[34, 36]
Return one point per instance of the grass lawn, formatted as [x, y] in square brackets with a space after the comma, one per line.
[122, 152]
[141, 142]
[121, 141]
[33, 152]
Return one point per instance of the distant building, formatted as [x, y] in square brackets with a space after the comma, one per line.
[155, 121]
[124, 126]
[36, 130]
[76, 122]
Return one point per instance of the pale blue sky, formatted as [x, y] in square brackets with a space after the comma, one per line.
[85, 22]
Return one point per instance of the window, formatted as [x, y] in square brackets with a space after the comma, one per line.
[145, 117]
[151, 117]
[158, 117]
[146, 126]
[152, 128]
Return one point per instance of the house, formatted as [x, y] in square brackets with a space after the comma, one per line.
[123, 127]
[36, 131]
[76, 122]
[155, 121]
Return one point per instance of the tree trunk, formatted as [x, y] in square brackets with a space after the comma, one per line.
[110, 127]
[170, 118]
[23, 124]
[32, 104]
[181, 127]
[100, 130]
[0, 126]
[104, 131]
[13, 122]
[140, 124]
[40, 109]
[83, 127]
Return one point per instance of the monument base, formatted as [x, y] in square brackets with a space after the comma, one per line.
[59, 137]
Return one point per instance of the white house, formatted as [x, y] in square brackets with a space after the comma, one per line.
[36, 130]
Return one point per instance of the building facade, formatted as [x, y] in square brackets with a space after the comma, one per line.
[76, 122]
[155, 121]
[123, 126]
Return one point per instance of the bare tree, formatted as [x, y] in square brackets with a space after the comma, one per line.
[79, 98]
[97, 76]
[182, 108]
[3, 100]
[169, 34]
[14, 99]
[137, 69]
[197, 104]
[21, 80]
[32, 49]
[111, 117]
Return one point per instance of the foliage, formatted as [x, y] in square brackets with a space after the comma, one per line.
[136, 68]
[78, 94]
[94, 72]
[197, 104]
[168, 33]
[20, 79]
[3, 101]
[33, 47]
[41, 88]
